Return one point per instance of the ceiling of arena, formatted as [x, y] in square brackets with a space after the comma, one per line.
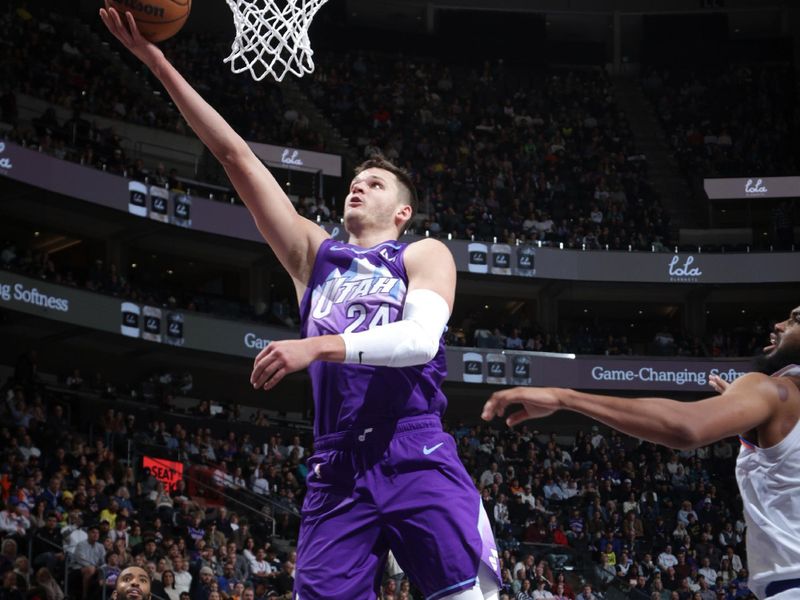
[568, 19]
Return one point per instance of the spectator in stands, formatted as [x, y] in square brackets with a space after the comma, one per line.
[241, 566]
[88, 557]
[168, 582]
[47, 545]
[183, 579]
[14, 520]
[733, 559]
[11, 589]
[110, 570]
[284, 580]
[44, 581]
[203, 586]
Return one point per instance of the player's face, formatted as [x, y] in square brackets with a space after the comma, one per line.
[786, 334]
[133, 584]
[376, 198]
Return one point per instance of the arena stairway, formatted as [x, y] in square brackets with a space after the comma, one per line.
[663, 171]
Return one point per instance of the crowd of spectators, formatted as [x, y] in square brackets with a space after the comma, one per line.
[56, 58]
[66, 63]
[731, 122]
[517, 154]
[654, 523]
[612, 338]
[498, 151]
[739, 121]
[75, 510]
[73, 65]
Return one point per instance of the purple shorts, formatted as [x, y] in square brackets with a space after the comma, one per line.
[398, 487]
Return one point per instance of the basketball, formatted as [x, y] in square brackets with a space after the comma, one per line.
[157, 20]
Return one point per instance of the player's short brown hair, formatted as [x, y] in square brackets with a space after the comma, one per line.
[403, 177]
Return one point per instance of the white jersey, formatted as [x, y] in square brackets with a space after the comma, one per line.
[769, 481]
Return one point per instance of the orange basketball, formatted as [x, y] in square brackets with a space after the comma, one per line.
[157, 19]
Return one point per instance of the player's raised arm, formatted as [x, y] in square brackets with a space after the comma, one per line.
[293, 239]
[754, 401]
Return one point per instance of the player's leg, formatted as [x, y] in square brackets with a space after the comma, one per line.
[433, 516]
[485, 587]
[340, 551]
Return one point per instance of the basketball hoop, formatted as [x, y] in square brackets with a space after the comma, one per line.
[272, 37]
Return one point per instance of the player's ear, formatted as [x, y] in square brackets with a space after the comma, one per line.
[403, 214]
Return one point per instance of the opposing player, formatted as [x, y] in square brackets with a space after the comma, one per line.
[762, 407]
[133, 583]
[384, 475]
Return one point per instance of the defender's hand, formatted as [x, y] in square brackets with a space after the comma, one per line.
[129, 36]
[719, 384]
[279, 359]
[535, 404]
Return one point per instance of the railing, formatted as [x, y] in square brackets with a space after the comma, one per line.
[67, 558]
[228, 499]
[578, 568]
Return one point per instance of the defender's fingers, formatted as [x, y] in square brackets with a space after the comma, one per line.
[719, 384]
[496, 405]
[517, 417]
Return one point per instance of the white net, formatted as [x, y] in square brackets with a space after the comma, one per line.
[272, 37]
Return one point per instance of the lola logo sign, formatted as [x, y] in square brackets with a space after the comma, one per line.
[5, 162]
[685, 272]
[291, 157]
[755, 188]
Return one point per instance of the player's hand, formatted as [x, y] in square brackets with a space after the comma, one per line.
[718, 383]
[279, 359]
[535, 403]
[129, 36]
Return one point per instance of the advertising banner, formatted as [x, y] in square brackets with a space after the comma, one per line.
[168, 472]
[501, 367]
[732, 188]
[501, 260]
[292, 158]
[468, 365]
[151, 323]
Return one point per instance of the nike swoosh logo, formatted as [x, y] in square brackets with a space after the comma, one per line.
[426, 450]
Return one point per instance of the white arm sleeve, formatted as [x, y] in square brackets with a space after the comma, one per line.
[412, 341]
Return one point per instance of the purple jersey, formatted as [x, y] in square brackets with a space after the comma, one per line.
[354, 289]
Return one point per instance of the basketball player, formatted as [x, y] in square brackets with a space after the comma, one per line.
[384, 475]
[132, 584]
[763, 407]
